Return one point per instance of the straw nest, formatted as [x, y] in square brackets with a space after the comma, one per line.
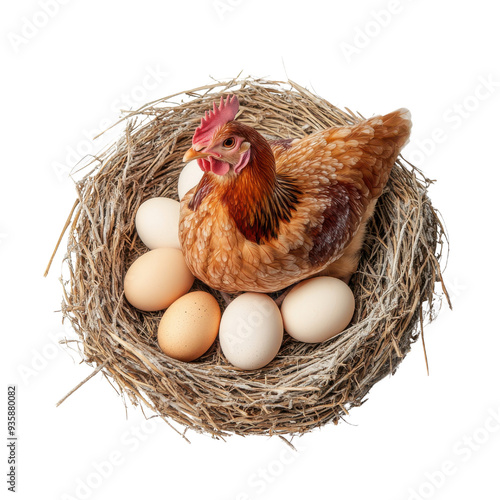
[307, 385]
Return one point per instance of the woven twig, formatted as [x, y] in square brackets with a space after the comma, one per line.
[306, 385]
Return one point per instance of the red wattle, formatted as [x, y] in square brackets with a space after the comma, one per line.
[211, 164]
[204, 164]
[218, 167]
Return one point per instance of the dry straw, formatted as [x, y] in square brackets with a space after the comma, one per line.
[307, 385]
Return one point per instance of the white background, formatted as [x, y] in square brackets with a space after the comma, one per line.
[64, 74]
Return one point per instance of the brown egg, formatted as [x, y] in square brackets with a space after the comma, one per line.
[157, 278]
[189, 326]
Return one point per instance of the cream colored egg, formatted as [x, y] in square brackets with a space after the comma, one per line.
[189, 326]
[190, 177]
[157, 278]
[157, 223]
[317, 309]
[251, 331]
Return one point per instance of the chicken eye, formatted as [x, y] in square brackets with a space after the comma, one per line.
[229, 142]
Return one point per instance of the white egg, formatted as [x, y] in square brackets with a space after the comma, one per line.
[190, 177]
[317, 309]
[251, 331]
[157, 223]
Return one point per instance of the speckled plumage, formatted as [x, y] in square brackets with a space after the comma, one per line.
[298, 209]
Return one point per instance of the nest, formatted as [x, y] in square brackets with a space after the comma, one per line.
[307, 385]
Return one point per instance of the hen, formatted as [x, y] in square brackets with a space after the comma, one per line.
[267, 214]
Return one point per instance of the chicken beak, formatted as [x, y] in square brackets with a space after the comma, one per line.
[192, 154]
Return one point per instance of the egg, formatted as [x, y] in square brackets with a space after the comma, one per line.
[157, 278]
[251, 331]
[190, 177]
[317, 309]
[157, 223]
[189, 326]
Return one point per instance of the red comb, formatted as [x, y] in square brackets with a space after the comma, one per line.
[214, 118]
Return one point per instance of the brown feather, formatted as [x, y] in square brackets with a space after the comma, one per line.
[299, 208]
